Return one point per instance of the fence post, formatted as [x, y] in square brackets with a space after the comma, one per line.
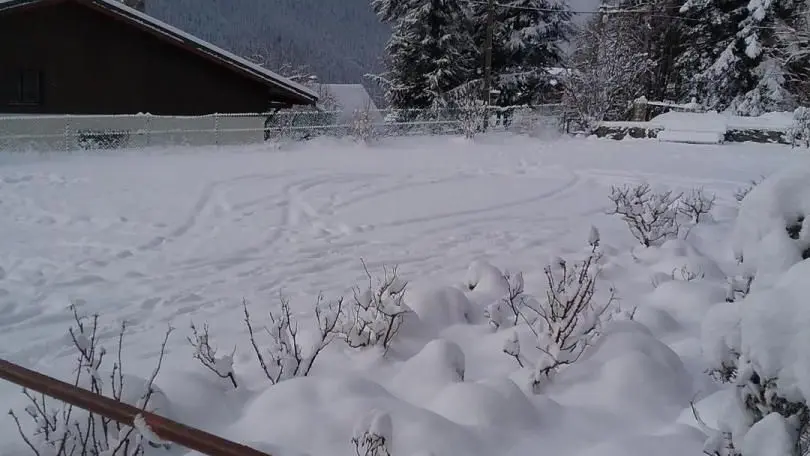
[148, 129]
[67, 134]
[640, 109]
[216, 129]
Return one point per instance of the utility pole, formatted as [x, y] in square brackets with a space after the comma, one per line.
[488, 60]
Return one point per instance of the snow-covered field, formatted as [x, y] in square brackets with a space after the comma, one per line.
[163, 236]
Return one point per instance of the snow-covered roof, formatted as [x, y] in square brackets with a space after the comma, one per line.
[352, 97]
[182, 38]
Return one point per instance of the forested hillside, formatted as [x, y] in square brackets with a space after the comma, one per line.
[339, 40]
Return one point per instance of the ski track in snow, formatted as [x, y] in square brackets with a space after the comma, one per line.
[163, 237]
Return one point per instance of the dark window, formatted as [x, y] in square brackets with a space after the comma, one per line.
[28, 88]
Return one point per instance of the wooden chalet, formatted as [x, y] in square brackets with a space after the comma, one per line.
[99, 57]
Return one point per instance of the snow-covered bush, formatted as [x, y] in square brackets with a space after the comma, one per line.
[222, 366]
[757, 341]
[696, 205]
[566, 322]
[373, 434]
[283, 357]
[362, 128]
[651, 216]
[67, 430]
[799, 131]
[376, 313]
[471, 115]
[772, 232]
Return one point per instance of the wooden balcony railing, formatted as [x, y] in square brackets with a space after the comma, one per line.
[164, 428]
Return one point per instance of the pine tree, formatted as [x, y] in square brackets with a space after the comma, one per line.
[430, 52]
[527, 40]
[731, 60]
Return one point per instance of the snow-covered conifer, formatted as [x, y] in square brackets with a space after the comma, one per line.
[733, 55]
[430, 52]
[526, 43]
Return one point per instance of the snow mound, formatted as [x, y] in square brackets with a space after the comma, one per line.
[720, 334]
[630, 370]
[659, 321]
[485, 282]
[773, 230]
[441, 307]
[687, 121]
[487, 404]
[709, 409]
[775, 331]
[676, 258]
[687, 301]
[683, 440]
[420, 378]
[721, 122]
[770, 436]
[319, 416]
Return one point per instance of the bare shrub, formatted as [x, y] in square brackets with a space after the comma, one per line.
[471, 116]
[222, 366]
[566, 322]
[283, 357]
[799, 131]
[696, 205]
[66, 431]
[377, 312]
[372, 437]
[651, 216]
[362, 128]
[684, 274]
[510, 304]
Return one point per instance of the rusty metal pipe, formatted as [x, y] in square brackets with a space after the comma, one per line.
[164, 428]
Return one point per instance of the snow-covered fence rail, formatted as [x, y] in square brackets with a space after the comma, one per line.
[149, 423]
[74, 132]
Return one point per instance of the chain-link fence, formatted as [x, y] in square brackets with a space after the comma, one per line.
[67, 132]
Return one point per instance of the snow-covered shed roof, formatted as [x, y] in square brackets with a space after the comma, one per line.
[350, 98]
[183, 39]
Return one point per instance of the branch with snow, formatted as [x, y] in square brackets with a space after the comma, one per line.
[567, 322]
[64, 430]
[650, 216]
[377, 312]
[696, 205]
[373, 435]
[283, 357]
[505, 312]
[222, 366]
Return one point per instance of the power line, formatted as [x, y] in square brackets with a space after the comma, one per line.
[609, 10]
[604, 9]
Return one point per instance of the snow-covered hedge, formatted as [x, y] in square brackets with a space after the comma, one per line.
[759, 343]
[772, 232]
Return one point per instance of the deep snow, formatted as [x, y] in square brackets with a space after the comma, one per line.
[163, 236]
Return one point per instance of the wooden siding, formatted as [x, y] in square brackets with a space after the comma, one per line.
[91, 62]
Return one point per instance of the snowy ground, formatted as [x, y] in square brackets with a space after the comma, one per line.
[163, 236]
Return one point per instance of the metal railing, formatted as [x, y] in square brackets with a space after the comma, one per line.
[163, 428]
[72, 132]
